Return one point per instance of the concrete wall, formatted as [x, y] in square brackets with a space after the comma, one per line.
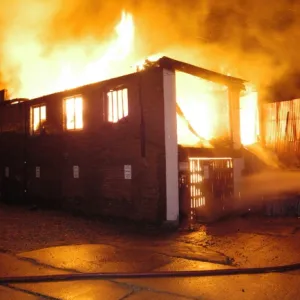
[170, 126]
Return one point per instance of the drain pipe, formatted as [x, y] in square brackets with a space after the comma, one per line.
[167, 274]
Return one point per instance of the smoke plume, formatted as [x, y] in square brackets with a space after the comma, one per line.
[249, 38]
[273, 183]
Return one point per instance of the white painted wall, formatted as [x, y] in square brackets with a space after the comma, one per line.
[171, 147]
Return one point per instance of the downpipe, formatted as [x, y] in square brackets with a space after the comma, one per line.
[166, 274]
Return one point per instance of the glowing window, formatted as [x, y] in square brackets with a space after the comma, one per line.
[38, 117]
[117, 105]
[74, 113]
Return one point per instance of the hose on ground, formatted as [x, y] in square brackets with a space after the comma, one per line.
[168, 274]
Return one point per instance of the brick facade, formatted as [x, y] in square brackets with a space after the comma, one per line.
[100, 150]
[146, 140]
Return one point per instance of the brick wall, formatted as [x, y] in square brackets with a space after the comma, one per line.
[12, 150]
[100, 150]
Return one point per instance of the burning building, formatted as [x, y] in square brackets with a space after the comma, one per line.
[281, 128]
[150, 145]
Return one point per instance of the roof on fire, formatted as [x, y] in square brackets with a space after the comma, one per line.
[170, 63]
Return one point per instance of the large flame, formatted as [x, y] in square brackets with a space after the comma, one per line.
[202, 106]
[76, 63]
[205, 112]
[102, 67]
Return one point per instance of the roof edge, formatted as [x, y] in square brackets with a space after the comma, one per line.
[213, 76]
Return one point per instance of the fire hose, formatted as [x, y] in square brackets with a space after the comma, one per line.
[164, 274]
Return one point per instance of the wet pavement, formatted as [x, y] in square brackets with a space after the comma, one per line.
[15, 294]
[99, 258]
[243, 242]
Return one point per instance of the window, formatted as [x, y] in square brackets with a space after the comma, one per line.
[38, 117]
[73, 113]
[117, 105]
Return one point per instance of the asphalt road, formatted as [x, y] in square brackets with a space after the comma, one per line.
[39, 249]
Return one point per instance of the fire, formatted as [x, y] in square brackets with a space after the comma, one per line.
[150, 59]
[74, 113]
[204, 110]
[249, 118]
[117, 105]
[76, 63]
[202, 106]
[101, 68]
[39, 116]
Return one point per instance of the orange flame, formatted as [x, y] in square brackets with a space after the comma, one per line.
[99, 68]
[249, 118]
[76, 64]
[205, 108]
[203, 105]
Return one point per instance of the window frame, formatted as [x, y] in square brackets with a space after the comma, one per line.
[65, 99]
[32, 118]
[109, 114]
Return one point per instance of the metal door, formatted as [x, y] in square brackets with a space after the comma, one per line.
[205, 185]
